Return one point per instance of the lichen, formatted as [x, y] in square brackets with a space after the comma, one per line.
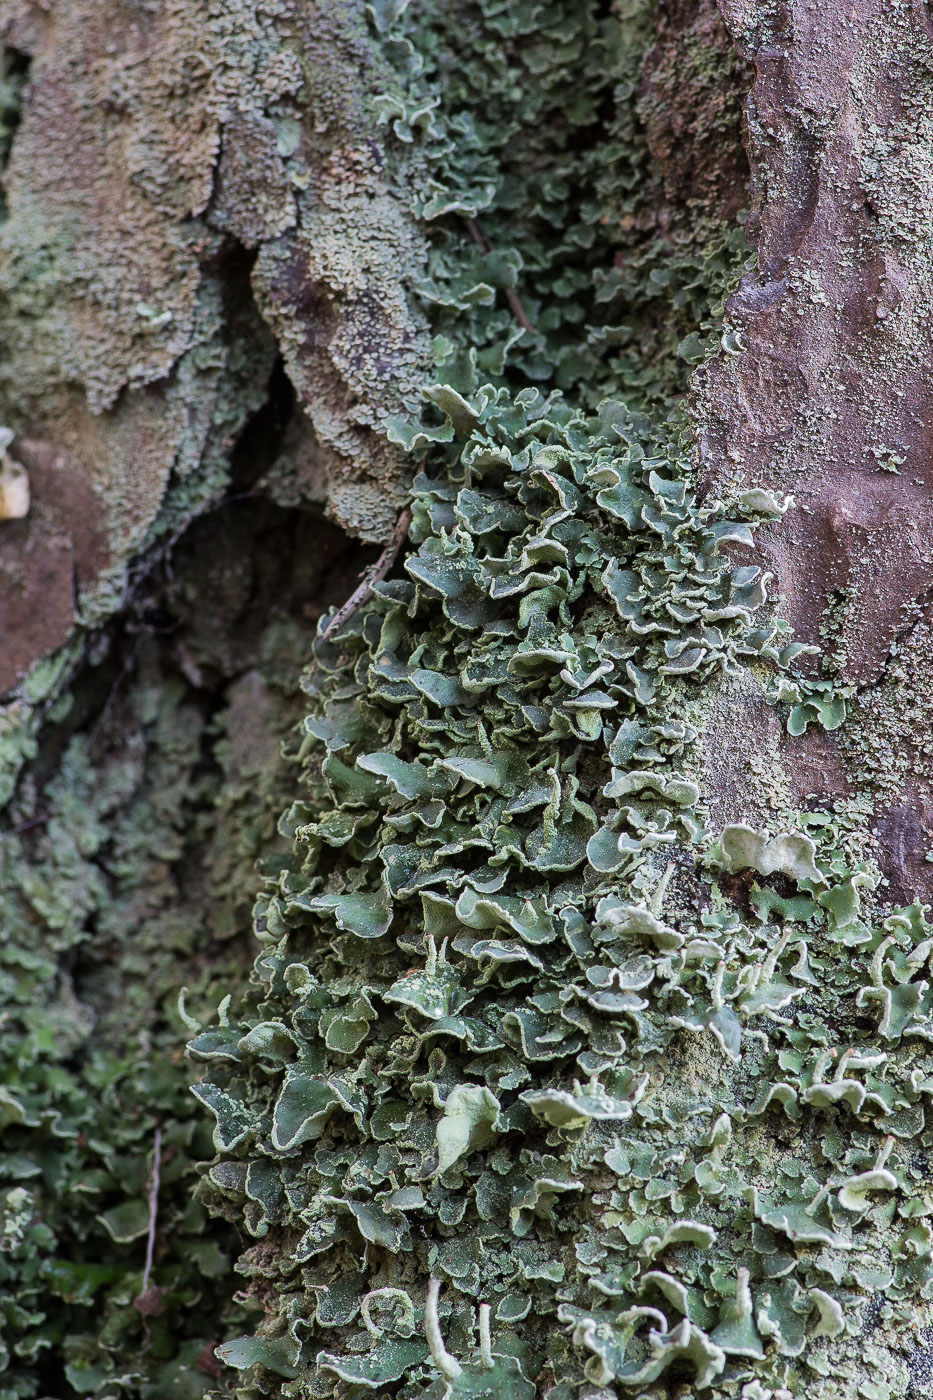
[127, 860]
[643, 1096]
[546, 1079]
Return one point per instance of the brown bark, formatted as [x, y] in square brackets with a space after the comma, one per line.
[831, 397]
[159, 231]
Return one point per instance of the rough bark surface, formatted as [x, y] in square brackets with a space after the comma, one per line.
[826, 393]
[167, 200]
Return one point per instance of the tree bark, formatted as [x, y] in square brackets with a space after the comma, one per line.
[590, 981]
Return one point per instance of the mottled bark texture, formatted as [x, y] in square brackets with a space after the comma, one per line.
[193, 189]
[826, 392]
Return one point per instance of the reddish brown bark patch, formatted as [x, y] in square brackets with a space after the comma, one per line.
[832, 398]
[691, 101]
[56, 549]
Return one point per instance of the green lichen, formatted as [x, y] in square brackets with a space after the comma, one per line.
[541, 1086]
[646, 1103]
[127, 863]
[494, 1041]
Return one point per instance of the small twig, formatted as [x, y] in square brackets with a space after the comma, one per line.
[149, 1301]
[153, 1207]
[448, 1365]
[23, 826]
[378, 572]
[511, 296]
[485, 1337]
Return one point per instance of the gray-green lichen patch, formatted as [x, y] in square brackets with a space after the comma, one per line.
[139, 790]
[127, 860]
[647, 1104]
[508, 1027]
[552, 1077]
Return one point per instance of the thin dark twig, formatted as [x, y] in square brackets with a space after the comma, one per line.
[23, 826]
[511, 296]
[378, 572]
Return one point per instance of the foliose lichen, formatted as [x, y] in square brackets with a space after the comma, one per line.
[543, 1087]
[126, 869]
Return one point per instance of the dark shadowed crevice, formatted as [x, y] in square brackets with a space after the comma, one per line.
[691, 101]
[920, 1368]
[217, 626]
[14, 74]
[129, 862]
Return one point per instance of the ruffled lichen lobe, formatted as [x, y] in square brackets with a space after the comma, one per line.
[585, 1051]
[650, 1088]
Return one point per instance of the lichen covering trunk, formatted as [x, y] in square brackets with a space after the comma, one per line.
[547, 935]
